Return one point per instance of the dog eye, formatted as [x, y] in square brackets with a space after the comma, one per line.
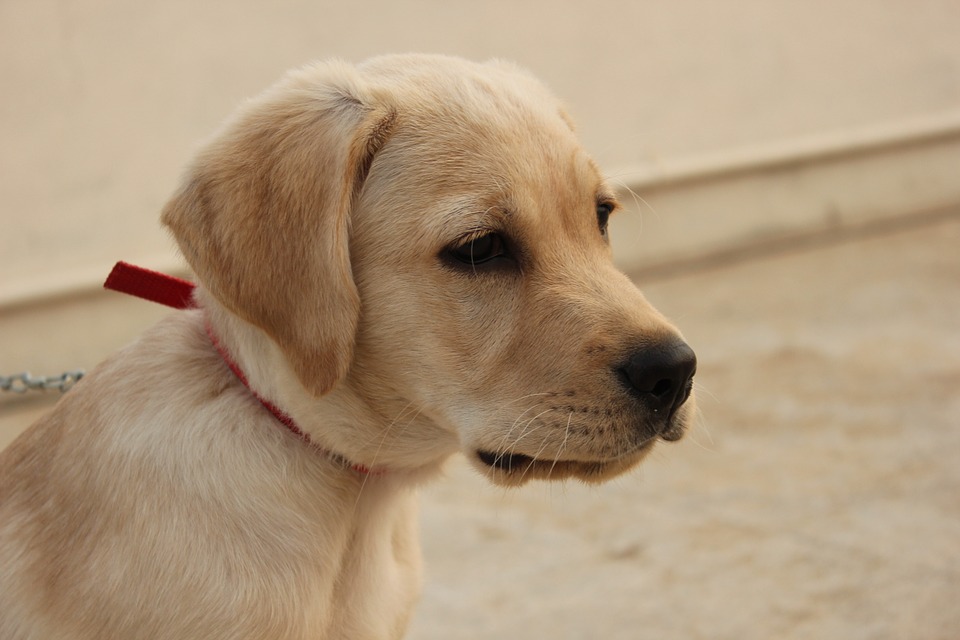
[604, 209]
[480, 250]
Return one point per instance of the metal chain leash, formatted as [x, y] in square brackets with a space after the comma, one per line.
[23, 382]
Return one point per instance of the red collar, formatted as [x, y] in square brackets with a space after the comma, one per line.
[178, 294]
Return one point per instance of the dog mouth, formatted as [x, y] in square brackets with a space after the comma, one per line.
[506, 461]
[509, 468]
[513, 468]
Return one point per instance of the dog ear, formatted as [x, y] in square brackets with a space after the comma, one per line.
[263, 216]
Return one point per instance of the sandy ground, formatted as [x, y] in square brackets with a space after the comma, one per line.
[819, 497]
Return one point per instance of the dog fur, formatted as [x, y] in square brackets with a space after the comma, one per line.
[326, 224]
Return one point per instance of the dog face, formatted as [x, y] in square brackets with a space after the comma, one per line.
[429, 233]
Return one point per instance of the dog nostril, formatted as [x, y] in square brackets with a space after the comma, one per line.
[662, 388]
[662, 375]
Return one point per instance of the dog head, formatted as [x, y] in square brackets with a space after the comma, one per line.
[426, 232]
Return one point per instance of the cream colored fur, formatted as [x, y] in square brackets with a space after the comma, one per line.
[160, 500]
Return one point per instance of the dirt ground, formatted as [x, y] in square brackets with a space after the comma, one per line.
[818, 498]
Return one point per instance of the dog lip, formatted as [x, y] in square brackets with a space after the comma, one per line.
[673, 430]
[512, 469]
[508, 462]
[672, 434]
[504, 461]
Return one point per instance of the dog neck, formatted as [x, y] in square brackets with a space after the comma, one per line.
[282, 416]
[181, 294]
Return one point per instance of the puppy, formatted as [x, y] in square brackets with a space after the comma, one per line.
[395, 262]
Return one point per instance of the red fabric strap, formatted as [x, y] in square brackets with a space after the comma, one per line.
[150, 285]
[177, 293]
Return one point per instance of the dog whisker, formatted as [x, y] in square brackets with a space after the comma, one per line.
[504, 451]
[525, 433]
[637, 198]
[563, 444]
[524, 397]
[701, 428]
[393, 434]
[383, 439]
[640, 203]
[534, 458]
[701, 390]
[526, 430]
[501, 449]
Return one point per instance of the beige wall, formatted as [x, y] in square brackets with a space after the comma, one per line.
[103, 101]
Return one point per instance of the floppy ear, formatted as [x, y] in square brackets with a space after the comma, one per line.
[263, 216]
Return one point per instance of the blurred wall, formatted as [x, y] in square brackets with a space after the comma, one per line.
[697, 106]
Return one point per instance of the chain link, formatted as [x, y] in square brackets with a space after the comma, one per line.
[23, 382]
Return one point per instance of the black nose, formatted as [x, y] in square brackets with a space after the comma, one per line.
[661, 375]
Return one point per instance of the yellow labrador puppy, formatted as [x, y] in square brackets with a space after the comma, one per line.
[395, 262]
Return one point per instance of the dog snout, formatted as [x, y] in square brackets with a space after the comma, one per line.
[661, 376]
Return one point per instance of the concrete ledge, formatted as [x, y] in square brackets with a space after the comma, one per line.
[690, 209]
[83, 281]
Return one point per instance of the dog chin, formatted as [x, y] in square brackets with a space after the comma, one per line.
[515, 469]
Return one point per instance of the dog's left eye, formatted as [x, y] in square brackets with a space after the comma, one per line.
[604, 209]
[480, 250]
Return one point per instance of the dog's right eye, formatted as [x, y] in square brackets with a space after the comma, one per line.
[480, 250]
